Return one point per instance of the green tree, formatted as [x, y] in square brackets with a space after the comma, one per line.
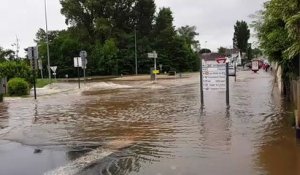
[278, 32]
[249, 51]
[241, 36]
[12, 69]
[106, 30]
[144, 11]
[204, 50]
[6, 54]
[222, 50]
[189, 35]
[256, 52]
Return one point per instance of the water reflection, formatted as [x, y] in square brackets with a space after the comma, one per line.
[170, 132]
[280, 151]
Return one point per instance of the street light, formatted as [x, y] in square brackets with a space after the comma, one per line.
[47, 40]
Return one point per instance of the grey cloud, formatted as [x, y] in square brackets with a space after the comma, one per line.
[214, 18]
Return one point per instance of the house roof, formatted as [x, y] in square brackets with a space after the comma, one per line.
[211, 56]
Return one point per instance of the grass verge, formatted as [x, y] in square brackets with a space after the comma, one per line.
[40, 83]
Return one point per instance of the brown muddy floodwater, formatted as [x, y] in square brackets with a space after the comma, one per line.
[170, 134]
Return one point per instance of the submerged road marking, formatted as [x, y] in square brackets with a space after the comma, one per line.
[91, 157]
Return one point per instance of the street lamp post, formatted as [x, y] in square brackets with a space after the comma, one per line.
[47, 40]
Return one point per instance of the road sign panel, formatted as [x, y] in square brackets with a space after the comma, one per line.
[40, 63]
[214, 77]
[83, 54]
[77, 62]
[150, 55]
[53, 68]
[155, 71]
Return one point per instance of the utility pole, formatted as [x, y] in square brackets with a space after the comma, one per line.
[47, 40]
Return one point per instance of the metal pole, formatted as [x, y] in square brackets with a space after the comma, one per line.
[33, 71]
[155, 68]
[84, 75]
[135, 52]
[235, 65]
[227, 84]
[47, 40]
[78, 73]
[42, 76]
[201, 83]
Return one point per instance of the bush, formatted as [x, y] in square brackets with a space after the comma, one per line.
[12, 69]
[18, 87]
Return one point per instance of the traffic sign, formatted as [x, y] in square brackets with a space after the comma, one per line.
[83, 54]
[77, 62]
[40, 63]
[155, 71]
[33, 53]
[152, 54]
[53, 68]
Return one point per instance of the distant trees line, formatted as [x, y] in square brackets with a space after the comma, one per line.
[106, 30]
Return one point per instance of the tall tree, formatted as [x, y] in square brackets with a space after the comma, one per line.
[164, 33]
[278, 32]
[99, 18]
[222, 50]
[6, 54]
[189, 35]
[144, 11]
[241, 36]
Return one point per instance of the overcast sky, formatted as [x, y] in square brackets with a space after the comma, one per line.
[214, 19]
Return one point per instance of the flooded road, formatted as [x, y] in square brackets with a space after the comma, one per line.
[169, 133]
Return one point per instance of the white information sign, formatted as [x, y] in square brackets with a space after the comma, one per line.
[214, 77]
[152, 54]
[77, 62]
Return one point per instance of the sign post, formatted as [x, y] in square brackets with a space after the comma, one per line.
[40, 63]
[227, 84]
[83, 55]
[214, 77]
[33, 55]
[78, 64]
[154, 56]
[201, 83]
[54, 68]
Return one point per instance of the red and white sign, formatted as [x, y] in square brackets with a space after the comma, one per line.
[221, 60]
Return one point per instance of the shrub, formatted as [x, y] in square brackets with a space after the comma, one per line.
[11, 69]
[18, 87]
